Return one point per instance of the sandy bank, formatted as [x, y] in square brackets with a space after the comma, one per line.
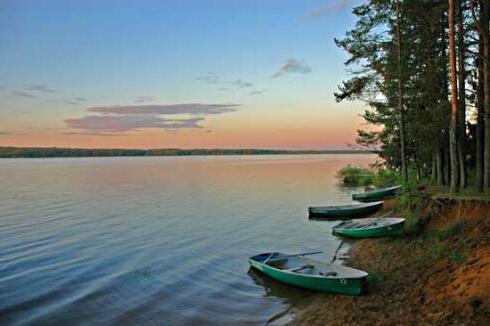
[438, 274]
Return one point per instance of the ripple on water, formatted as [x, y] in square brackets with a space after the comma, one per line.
[157, 240]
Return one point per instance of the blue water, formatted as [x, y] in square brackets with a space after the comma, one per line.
[157, 240]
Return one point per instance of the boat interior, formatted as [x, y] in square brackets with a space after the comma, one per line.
[305, 266]
[368, 223]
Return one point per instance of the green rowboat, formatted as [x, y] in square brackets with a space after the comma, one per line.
[310, 274]
[376, 194]
[335, 212]
[370, 227]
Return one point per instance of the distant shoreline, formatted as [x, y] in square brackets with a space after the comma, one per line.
[47, 152]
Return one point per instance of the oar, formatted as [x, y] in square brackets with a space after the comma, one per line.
[288, 256]
[302, 267]
[356, 225]
[384, 215]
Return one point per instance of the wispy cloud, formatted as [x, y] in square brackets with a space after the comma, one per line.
[292, 66]
[39, 88]
[110, 124]
[11, 133]
[184, 108]
[122, 118]
[70, 101]
[239, 84]
[144, 99]
[258, 91]
[22, 93]
[76, 101]
[32, 90]
[91, 133]
[332, 5]
[209, 78]
[213, 79]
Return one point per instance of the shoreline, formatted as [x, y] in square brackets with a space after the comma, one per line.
[438, 273]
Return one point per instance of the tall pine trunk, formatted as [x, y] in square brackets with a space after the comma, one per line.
[447, 164]
[453, 127]
[439, 167]
[486, 92]
[480, 134]
[403, 153]
[461, 99]
[433, 171]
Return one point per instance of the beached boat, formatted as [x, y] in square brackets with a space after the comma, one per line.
[300, 271]
[376, 194]
[370, 227]
[356, 209]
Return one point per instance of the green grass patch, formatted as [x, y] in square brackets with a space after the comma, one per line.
[392, 239]
[436, 251]
[443, 192]
[457, 257]
[374, 279]
[450, 231]
[437, 244]
[431, 252]
[413, 213]
[412, 221]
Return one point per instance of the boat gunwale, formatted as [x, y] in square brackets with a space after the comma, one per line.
[356, 205]
[376, 191]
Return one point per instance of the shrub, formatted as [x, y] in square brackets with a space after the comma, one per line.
[355, 176]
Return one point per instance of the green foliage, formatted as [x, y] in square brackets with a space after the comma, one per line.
[399, 56]
[386, 177]
[413, 220]
[355, 176]
[378, 175]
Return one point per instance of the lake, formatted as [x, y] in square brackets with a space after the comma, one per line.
[158, 240]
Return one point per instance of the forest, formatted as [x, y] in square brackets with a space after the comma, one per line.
[41, 152]
[422, 68]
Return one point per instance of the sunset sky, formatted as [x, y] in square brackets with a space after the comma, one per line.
[180, 73]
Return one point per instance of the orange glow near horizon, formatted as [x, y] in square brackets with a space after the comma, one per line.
[290, 130]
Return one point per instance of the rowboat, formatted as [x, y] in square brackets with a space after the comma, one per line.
[303, 272]
[370, 227]
[356, 209]
[376, 194]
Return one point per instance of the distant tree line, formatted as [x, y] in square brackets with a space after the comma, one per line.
[10, 152]
[422, 67]
[39, 152]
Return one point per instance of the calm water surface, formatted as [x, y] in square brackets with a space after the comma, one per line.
[157, 240]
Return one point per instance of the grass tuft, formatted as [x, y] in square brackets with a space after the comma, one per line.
[450, 231]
